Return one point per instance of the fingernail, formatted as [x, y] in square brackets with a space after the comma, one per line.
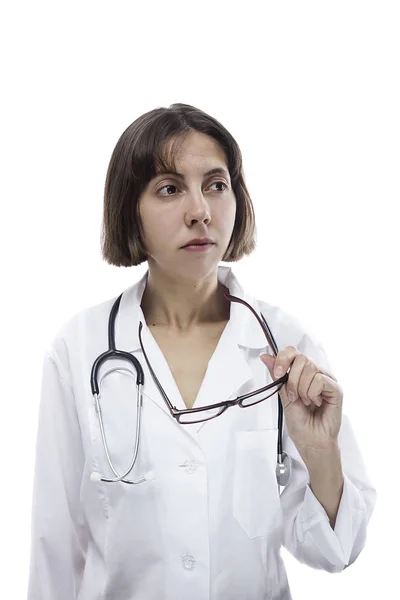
[278, 371]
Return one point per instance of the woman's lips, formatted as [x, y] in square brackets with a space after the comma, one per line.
[198, 247]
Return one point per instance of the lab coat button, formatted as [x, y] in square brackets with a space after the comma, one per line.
[188, 561]
[190, 466]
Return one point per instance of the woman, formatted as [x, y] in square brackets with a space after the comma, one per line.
[205, 515]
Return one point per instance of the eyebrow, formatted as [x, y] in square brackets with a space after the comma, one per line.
[218, 170]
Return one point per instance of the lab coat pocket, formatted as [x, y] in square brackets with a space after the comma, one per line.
[256, 501]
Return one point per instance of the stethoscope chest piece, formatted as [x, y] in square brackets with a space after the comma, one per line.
[284, 469]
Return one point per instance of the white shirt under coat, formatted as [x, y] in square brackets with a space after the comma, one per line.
[210, 525]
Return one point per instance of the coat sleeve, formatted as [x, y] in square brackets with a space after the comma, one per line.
[58, 542]
[307, 533]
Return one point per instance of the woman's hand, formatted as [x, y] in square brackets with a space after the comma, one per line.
[312, 400]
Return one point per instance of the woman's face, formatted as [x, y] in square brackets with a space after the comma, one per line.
[174, 209]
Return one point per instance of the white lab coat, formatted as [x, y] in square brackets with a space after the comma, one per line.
[209, 526]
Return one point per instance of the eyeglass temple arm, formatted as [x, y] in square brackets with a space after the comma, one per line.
[265, 327]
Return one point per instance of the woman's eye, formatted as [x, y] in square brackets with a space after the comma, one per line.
[219, 183]
[166, 186]
[170, 185]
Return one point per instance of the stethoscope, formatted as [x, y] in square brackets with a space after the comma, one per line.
[284, 462]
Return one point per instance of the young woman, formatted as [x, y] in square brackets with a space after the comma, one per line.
[160, 465]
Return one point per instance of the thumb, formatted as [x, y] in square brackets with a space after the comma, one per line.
[269, 361]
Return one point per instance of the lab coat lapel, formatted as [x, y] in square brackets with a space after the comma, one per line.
[129, 316]
[229, 369]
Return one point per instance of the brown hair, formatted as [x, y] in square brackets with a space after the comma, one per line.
[138, 156]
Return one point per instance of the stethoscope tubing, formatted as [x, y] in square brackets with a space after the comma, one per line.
[139, 403]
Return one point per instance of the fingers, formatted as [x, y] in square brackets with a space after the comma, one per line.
[306, 379]
[305, 382]
[284, 360]
[301, 376]
[302, 372]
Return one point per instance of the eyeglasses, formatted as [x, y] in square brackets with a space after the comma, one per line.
[206, 413]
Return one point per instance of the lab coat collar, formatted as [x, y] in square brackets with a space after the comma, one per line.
[226, 373]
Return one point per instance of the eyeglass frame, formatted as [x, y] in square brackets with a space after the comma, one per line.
[177, 413]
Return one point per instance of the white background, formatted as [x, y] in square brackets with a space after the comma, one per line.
[310, 91]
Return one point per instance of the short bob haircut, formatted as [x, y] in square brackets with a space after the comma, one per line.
[137, 158]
